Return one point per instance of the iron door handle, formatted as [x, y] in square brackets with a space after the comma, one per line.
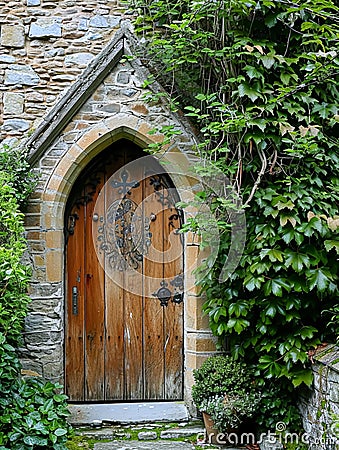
[75, 295]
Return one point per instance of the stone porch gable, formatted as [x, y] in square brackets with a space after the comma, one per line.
[104, 105]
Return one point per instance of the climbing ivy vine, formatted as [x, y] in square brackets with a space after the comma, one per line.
[260, 81]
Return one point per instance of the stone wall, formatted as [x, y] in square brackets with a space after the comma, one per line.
[320, 407]
[44, 46]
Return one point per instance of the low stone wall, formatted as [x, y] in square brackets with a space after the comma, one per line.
[320, 407]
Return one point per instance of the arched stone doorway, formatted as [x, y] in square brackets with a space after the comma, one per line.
[73, 133]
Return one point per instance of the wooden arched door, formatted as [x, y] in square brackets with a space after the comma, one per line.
[124, 282]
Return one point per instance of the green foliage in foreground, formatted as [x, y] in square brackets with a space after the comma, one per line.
[260, 81]
[13, 161]
[14, 276]
[32, 412]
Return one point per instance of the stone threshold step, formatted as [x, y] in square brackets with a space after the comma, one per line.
[127, 413]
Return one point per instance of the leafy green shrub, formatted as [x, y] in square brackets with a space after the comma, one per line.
[14, 276]
[226, 389]
[333, 320]
[32, 412]
[278, 404]
[14, 162]
[219, 375]
[9, 368]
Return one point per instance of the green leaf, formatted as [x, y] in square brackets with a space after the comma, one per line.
[285, 77]
[304, 376]
[245, 90]
[53, 438]
[253, 72]
[60, 432]
[275, 255]
[29, 421]
[288, 236]
[273, 368]
[275, 286]
[240, 325]
[15, 436]
[39, 426]
[325, 110]
[319, 279]
[281, 203]
[293, 354]
[271, 311]
[201, 97]
[251, 282]
[47, 406]
[267, 61]
[297, 260]
[307, 332]
[238, 309]
[331, 243]
[260, 123]
[262, 329]
[216, 313]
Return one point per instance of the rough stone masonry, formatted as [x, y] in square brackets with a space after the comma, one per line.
[44, 46]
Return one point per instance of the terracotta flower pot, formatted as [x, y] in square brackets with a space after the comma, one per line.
[215, 436]
[211, 431]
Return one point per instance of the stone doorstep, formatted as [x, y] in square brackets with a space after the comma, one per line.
[127, 413]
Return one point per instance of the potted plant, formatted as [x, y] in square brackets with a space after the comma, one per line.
[226, 393]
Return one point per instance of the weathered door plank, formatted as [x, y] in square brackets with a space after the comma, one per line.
[74, 336]
[154, 312]
[94, 309]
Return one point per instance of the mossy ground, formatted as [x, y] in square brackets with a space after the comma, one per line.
[123, 433]
[130, 433]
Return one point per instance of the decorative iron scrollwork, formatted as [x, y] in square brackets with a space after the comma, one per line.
[125, 235]
[178, 298]
[166, 197]
[124, 185]
[164, 294]
[162, 191]
[82, 197]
